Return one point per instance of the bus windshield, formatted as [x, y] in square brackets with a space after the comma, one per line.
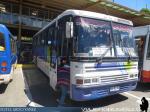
[93, 36]
[124, 40]
[2, 42]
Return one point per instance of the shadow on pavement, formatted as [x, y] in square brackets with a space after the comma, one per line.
[40, 90]
[43, 94]
[3, 87]
[143, 87]
[99, 102]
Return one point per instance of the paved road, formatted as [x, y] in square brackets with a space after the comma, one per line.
[35, 91]
[43, 95]
[13, 94]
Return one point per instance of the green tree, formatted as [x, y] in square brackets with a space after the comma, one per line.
[145, 11]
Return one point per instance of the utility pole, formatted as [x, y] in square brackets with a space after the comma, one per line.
[146, 6]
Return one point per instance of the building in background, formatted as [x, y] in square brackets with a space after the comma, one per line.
[23, 23]
[25, 17]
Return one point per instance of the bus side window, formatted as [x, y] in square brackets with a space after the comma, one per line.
[13, 46]
[61, 40]
[42, 44]
[148, 49]
[54, 48]
[49, 45]
[2, 42]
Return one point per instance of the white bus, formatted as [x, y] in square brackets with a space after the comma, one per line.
[142, 35]
[99, 51]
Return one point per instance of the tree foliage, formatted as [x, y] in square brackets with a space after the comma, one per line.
[145, 11]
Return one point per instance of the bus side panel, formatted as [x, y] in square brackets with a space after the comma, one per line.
[145, 73]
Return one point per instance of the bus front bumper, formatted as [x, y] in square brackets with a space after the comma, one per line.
[5, 79]
[84, 94]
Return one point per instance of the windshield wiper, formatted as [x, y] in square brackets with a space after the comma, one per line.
[99, 60]
[126, 50]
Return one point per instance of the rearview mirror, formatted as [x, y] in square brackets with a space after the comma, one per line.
[69, 29]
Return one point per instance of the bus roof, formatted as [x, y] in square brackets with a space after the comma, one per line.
[141, 30]
[6, 29]
[89, 14]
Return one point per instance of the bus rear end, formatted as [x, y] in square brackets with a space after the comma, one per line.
[5, 67]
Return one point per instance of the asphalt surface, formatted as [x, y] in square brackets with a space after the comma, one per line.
[43, 95]
[35, 91]
[13, 94]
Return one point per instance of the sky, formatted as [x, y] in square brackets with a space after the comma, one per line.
[134, 4]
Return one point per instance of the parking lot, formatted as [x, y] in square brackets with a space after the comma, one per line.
[30, 87]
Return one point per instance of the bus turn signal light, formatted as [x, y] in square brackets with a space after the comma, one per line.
[4, 64]
[79, 81]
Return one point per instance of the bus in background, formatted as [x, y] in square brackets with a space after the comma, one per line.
[8, 55]
[92, 54]
[141, 35]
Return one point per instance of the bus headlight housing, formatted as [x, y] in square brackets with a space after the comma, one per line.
[95, 80]
[87, 81]
[133, 75]
[91, 81]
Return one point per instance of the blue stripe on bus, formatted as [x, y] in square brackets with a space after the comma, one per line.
[108, 65]
[84, 94]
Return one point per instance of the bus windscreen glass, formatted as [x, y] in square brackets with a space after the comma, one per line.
[2, 42]
[148, 50]
[93, 36]
[124, 40]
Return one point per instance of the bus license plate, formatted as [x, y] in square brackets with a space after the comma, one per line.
[115, 88]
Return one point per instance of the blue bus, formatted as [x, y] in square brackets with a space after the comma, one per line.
[8, 57]
[89, 55]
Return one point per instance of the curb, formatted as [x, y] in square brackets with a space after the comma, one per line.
[25, 66]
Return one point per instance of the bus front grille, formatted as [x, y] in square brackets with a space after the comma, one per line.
[114, 79]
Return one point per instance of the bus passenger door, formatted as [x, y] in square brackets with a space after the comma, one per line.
[53, 71]
[53, 68]
[140, 42]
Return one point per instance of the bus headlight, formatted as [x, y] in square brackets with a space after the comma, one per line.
[136, 75]
[87, 81]
[133, 75]
[91, 81]
[95, 80]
